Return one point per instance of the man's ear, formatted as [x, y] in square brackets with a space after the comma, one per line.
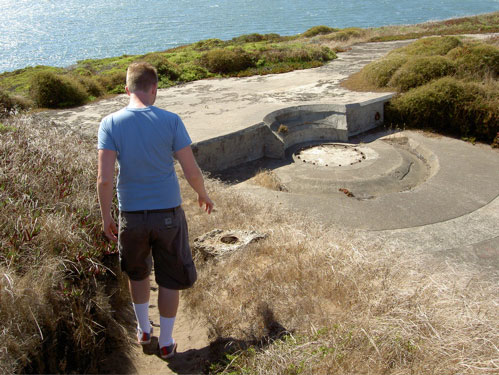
[127, 91]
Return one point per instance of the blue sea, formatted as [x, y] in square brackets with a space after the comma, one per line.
[61, 32]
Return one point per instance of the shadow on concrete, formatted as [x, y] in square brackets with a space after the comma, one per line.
[245, 171]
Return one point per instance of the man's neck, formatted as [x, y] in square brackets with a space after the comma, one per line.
[137, 102]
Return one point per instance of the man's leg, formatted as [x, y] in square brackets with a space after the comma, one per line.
[140, 291]
[168, 300]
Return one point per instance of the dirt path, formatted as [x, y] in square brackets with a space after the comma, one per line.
[190, 332]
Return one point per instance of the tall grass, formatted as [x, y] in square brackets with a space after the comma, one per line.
[59, 282]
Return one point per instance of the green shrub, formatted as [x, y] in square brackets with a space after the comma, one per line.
[421, 70]
[91, 85]
[50, 90]
[207, 44]
[316, 30]
[226, 61]
[114, 82]
[430, 46]
[449, 106]
[476, 60]
[192, 72]
[253, 38]
[166, 69]
[379, 73]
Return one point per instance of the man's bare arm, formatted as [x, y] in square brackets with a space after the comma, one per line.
[194, 176]
[105, 181]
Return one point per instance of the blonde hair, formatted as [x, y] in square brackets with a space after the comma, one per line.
[140, 76]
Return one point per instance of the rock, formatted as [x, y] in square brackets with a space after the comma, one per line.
[220, 242]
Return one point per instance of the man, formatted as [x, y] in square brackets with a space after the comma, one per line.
[144, 139]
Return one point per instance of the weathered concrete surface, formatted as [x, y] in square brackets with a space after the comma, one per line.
[309, 123]
[455, 211]
[212, 108]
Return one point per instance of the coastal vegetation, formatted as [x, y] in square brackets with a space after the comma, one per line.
[252, 54]
[445, 84]
[305, 300]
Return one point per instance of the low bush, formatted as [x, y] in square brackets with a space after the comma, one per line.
[449, 106]
[431, 46]
[318, 30]
[207, 44]
[225, 61]
[297, 54]
[165, 68]
[92, 86]
[50, 90]
[379, 73]
[10, 104]
[477, 60]
[114, 82]
[253, 38]
[192, 72]
[419, 71]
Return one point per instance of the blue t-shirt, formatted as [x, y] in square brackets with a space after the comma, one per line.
[145, 140]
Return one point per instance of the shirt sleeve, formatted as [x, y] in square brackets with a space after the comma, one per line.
[104, 139]
[181, 137]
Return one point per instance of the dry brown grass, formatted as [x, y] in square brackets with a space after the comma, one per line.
[316, 300]
[268, 179]
[57, 281]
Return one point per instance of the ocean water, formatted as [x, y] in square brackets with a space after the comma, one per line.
[59, 33]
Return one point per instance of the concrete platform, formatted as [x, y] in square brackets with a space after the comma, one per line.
[451, 207]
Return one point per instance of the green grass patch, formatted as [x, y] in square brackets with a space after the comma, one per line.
[244, 55]
[346, 34]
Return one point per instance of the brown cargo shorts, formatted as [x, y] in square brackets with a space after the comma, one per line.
[159, 235]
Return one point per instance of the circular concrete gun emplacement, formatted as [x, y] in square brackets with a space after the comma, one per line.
[361, 171]
[333, 162]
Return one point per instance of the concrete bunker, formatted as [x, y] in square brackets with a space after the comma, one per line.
[284, 128]
[322, 149]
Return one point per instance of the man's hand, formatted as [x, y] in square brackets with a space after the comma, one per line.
[110, 229]
[206, 201]
[194, 176]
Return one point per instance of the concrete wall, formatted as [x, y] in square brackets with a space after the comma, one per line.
[310, 123]
[365, 116]
[239, 147]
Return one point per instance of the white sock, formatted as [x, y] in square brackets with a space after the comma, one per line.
[165, 335]
[142, 315]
